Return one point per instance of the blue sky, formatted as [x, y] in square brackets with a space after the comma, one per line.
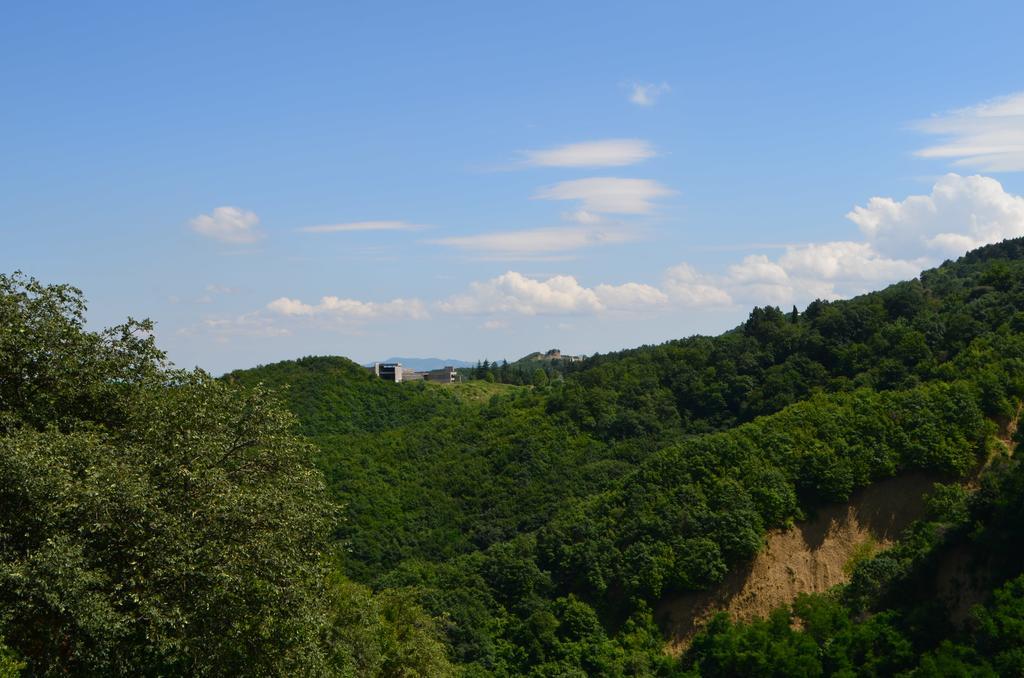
[466, 180]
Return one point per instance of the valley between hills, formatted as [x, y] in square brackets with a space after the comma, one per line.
[821, 491]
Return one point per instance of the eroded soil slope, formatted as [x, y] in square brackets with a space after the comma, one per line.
[806, 558]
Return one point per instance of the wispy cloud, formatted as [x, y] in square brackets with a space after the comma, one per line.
[354, 226]
[223, 328]
[608, 194]
[228, 224]
[603, 153]
[285, 316]
[647, 93]
[988, 136]
[538, 241]
[352, 309]
[900, 237]
[583, 217]
[213, 291]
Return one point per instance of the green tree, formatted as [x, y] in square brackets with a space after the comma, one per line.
[540, 378]
[151, 521]
[384, 635]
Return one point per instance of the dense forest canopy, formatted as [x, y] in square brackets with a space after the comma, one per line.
[307, 518]
[629, 476]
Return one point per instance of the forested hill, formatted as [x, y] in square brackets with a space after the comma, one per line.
[155, 521]
[542, 523]
[896, 338]
[335, 395]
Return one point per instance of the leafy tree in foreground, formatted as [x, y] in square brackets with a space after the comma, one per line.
[161, 522]
[151, 521]
[189, 540]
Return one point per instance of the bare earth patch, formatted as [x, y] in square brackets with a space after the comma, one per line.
[810, 557]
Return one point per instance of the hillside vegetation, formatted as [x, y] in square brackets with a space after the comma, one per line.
[544, 525]
[306, 518]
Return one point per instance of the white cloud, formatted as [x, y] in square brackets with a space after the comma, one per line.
[803, 273]
[989, 136]
[608, 194]
[960, 213]
[604, 153]
[537, 241]
[223, 328]
[901, 237]
[286, 306]
[228, 224]
[759, 280]
[514, 292]
[583, 217]
[830, 270]
[629, 296]
[354, 226]
[285, 312]
[686, 286]
[846, 261]
[757, 268]
[646, 93]
[350, 309]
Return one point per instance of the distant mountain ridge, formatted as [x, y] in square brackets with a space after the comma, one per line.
[424, 364]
